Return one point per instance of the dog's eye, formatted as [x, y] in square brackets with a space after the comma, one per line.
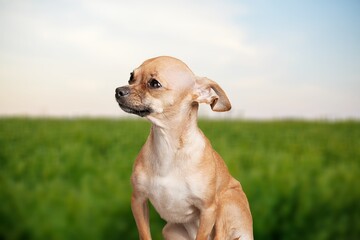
[153, 83]
[131, 79]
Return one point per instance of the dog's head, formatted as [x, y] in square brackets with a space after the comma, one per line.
[164, 87]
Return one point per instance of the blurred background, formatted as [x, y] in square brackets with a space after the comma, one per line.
[274, 59]
[290, 68]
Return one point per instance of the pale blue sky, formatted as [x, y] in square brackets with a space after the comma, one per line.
[275, 59]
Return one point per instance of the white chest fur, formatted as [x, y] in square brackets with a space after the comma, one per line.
[173, 197]
[172, 186]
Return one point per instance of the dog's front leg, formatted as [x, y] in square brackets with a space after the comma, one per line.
[140, 209]
[207, 221]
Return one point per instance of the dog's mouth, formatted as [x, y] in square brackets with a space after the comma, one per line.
[137, 110]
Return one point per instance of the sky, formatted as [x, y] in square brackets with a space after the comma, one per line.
[274, 59]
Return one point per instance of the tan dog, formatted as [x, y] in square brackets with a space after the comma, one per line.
[177, 169]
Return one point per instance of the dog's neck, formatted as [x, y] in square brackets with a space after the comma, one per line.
[176, 130]
[178, 136]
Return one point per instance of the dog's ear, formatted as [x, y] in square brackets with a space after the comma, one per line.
[209, 92]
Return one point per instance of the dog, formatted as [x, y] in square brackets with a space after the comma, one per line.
[177, 169]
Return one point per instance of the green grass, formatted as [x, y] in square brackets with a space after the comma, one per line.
[69, 179]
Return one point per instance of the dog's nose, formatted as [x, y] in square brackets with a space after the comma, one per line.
[122, 91]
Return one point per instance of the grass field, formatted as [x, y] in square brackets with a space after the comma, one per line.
[69, 179]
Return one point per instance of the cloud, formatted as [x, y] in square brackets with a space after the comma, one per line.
[71, 52]
[180, 28]
[67, 57]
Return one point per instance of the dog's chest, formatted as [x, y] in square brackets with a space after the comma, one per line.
[172, 183]
[173, 196]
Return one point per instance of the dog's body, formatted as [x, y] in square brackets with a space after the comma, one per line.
[177, 169]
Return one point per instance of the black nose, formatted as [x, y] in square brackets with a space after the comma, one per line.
[122, 92]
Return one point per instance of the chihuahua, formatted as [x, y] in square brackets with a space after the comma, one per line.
[177, 169]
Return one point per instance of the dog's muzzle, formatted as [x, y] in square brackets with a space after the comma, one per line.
[122, 97]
